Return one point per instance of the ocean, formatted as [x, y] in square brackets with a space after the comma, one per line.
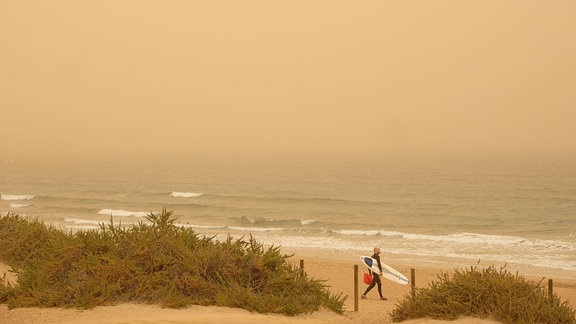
[515, 212]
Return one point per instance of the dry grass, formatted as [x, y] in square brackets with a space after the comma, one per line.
[485, 293]
[152, 262]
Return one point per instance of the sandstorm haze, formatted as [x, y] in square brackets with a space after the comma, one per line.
[117, 78]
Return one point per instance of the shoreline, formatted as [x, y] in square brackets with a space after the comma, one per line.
[336, 268]
[437, 264]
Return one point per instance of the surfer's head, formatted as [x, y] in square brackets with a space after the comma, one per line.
[377, 250]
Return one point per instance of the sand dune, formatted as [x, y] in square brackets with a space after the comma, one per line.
[338, 271]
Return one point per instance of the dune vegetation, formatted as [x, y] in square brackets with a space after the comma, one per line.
[484, 293]
[153, 262]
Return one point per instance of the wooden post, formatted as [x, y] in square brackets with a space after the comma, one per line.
[550, 290]
[301, 267]
[412, 279]
[355, 287]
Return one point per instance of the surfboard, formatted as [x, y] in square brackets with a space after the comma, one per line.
[387, 271]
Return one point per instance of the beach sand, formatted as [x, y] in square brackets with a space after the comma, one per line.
[336, 268]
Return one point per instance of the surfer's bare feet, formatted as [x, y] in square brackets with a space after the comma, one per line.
[363, 296]
[383, 298]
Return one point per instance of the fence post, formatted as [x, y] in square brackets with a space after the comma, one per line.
[412, 279]
[301, 267]
[550, 290]
[355, 287]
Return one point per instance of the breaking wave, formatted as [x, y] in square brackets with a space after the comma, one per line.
[186, 194]
[122, 213]
[16, 197]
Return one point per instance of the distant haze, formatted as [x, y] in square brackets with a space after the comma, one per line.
[141, 77]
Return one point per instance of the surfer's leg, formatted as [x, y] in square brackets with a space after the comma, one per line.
[369, 288]
[380, 290]
[379, 287]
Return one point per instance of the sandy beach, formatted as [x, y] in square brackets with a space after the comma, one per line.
[441, 131]
[336, 269]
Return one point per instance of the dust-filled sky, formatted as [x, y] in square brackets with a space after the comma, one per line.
[133, 77]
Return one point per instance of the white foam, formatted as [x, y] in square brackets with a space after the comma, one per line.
[307, 221]
[484, 239]
[321, 242]
[461, 238]
[122, 213]
[82, 221]
[200, 226]
[82, 227]
[186, 194]
[13, 205]
[256, 229]
[533, 258]
[16, 197]
[358, 232]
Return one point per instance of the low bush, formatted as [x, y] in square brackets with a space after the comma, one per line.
[152, 262]
[485, 293]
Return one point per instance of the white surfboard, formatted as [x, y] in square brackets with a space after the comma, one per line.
[387, 271]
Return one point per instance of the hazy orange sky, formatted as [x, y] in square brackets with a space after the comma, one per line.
[133, 77]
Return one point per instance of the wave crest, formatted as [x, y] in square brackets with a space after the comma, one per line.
[14, 205]
[256, 229]
[16, 197]
[122, 213]
[186, 194]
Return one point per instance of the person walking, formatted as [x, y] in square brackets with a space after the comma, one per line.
[376, 276]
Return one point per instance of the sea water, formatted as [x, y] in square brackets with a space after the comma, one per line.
[443, 211]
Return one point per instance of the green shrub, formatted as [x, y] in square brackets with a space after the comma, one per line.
[486, 293]
[154, 262]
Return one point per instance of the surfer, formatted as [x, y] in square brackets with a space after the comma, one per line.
[376, 276]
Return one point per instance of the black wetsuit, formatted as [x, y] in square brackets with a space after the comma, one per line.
[376, 277]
